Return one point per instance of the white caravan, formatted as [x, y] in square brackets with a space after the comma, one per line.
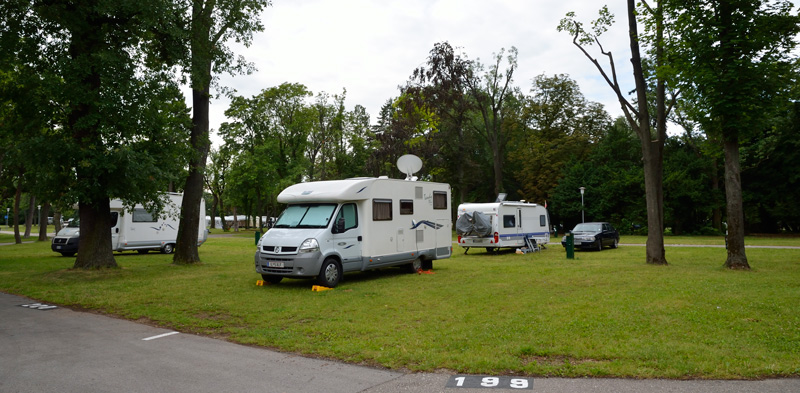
[136, 229]
[508, 225]
[338, 226]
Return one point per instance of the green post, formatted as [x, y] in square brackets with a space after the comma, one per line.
[570, 245]
[258, 236]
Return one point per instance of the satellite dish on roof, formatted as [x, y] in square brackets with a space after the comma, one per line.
[409, 164]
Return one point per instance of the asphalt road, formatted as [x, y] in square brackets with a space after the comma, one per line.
[61, 350]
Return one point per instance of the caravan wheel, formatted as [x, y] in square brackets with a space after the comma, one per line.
[330, 273]
[415, 266]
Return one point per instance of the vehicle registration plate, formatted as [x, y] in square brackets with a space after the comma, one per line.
[275, 264]
[58, 247]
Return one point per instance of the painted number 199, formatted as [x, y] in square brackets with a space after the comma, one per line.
[493, 382]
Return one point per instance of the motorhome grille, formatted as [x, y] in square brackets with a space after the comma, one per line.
[282, 249]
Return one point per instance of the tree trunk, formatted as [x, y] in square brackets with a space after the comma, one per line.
[17, 197]
[737, 259]
[57, 221]
[43, 223]
[186, 247]
[222, 221]
[652, 152]
[652, 146]
[235, 220]
[214, 211]
[29, 217]
[95, 240]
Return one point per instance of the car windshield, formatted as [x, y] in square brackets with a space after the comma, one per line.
[316, 215]
[587, 228]
[76, 223]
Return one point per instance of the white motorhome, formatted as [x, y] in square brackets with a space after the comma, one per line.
[338, 226]
[509, 225]
[136, 229]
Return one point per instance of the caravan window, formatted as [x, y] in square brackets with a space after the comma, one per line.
[406, 206]
[311, 215]
[543, 220]
[509, 221]
[439, 200]
[381, 209]
[141, 215]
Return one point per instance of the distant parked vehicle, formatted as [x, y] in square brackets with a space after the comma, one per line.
[137, 229]
[594, 235]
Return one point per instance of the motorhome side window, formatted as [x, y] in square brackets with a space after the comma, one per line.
[509, 221]
[114, 218]
[439, 200]
[381, 209]
[347, 215]
[406, 206]
[141, 215]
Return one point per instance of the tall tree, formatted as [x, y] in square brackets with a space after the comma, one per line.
[560, 125]
[213, 24]
[735, 60]
[491, 91]
[641, 120]
[112, 142]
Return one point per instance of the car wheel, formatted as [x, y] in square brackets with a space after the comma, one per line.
[329, 274]
[599, 244]
[616, 243]
[167, 249]
[271, 279]
[415, 266]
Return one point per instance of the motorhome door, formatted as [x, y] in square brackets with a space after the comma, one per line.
[346, 235]
[115, 223]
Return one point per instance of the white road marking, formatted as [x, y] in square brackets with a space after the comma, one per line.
[159, 336]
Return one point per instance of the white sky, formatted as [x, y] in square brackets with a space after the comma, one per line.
[370, 47]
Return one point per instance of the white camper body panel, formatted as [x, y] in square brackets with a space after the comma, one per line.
[511, 223]
[137, 229]
[398, 222]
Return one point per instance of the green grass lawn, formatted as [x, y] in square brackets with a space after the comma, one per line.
[602, 314]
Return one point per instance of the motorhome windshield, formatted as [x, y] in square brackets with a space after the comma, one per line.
[316, 215]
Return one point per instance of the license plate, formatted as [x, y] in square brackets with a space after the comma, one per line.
[275, 264]
[58, 247]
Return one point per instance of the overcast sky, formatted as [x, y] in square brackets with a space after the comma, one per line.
[370, 47]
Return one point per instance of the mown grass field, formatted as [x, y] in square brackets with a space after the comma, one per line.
[602, 314]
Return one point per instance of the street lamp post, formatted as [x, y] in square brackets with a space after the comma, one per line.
[39, 208]
[8, 214]
[583, 218]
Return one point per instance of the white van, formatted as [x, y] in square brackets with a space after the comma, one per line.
[338, 226]
[136, 229]
[509, 225]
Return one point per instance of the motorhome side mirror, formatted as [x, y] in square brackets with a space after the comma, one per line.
[339, 227]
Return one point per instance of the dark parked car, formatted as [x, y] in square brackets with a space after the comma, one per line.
[594, 235]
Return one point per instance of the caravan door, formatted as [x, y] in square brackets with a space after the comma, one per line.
[346, 235]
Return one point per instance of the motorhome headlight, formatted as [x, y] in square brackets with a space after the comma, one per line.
[309, 245]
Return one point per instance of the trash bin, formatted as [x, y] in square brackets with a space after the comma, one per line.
[570, 245]
[258, 236]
